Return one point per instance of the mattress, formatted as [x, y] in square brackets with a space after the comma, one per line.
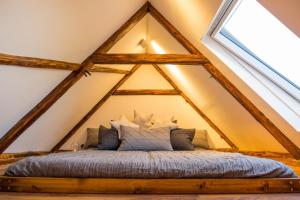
[153, 164]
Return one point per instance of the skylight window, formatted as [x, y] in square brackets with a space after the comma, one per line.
[253, 34]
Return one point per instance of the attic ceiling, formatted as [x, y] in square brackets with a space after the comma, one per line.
[62, 32]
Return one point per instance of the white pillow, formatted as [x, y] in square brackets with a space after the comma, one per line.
[164, 119]
[165, 122]
[143, 120]
[169, 125]
[122, 121]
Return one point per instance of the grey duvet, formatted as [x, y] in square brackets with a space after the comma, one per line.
[153, 164]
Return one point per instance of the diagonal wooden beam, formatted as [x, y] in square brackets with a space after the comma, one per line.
[228, 85]
[94, 109]
[6, 59]
[179, 59]
[146, 92]
[173, 31]
[198, 110]
[68, 82]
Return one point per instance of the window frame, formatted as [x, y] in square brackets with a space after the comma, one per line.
[271, 74]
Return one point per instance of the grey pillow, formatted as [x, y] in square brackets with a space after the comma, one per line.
[108, 139]
[201, 139]
[143, 139]
[181, 139]
[91, 138]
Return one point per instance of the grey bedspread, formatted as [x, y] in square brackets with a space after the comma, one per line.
[153, 164]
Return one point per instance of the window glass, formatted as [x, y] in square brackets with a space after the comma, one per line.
[254, 29]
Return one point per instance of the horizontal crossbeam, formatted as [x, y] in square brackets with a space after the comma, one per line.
[98, 68]
[178, 59]
[22, 61]
[146, 92]
[6, 59]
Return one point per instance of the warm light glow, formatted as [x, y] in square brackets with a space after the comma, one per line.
[157, 48]
[172, 68]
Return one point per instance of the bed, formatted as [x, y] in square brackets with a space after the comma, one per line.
[200, 164]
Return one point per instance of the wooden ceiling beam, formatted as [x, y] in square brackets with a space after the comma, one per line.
[22, 61]
[98, 68]
[149, 59]
[6, 59]
[172, 30]
[230, 87]
[146, 92]
[28, 119]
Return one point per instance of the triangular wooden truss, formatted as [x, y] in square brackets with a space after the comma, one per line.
[100, 56]
[115, 91]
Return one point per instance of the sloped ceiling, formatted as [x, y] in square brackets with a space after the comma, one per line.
[71, 29]
[192, 19]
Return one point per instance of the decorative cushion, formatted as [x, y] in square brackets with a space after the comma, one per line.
[165, 119]
[91, 138]
[170, 125]
[145, 139]
[169, 122]
[122, 121]
[181, 139]
[142, 120]
[201, 139]
[108, 139]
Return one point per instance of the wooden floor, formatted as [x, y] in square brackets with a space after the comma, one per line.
[26, 196]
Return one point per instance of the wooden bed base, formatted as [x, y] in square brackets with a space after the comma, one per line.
[148, 186]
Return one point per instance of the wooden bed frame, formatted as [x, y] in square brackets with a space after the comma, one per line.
[158, 186]
[147, 186]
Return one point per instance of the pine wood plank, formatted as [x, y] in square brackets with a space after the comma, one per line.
[179, 59]
[22, 61]
[98, 68]
[149, 186]
[6, 59]
[50, 196]
[146, 92]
